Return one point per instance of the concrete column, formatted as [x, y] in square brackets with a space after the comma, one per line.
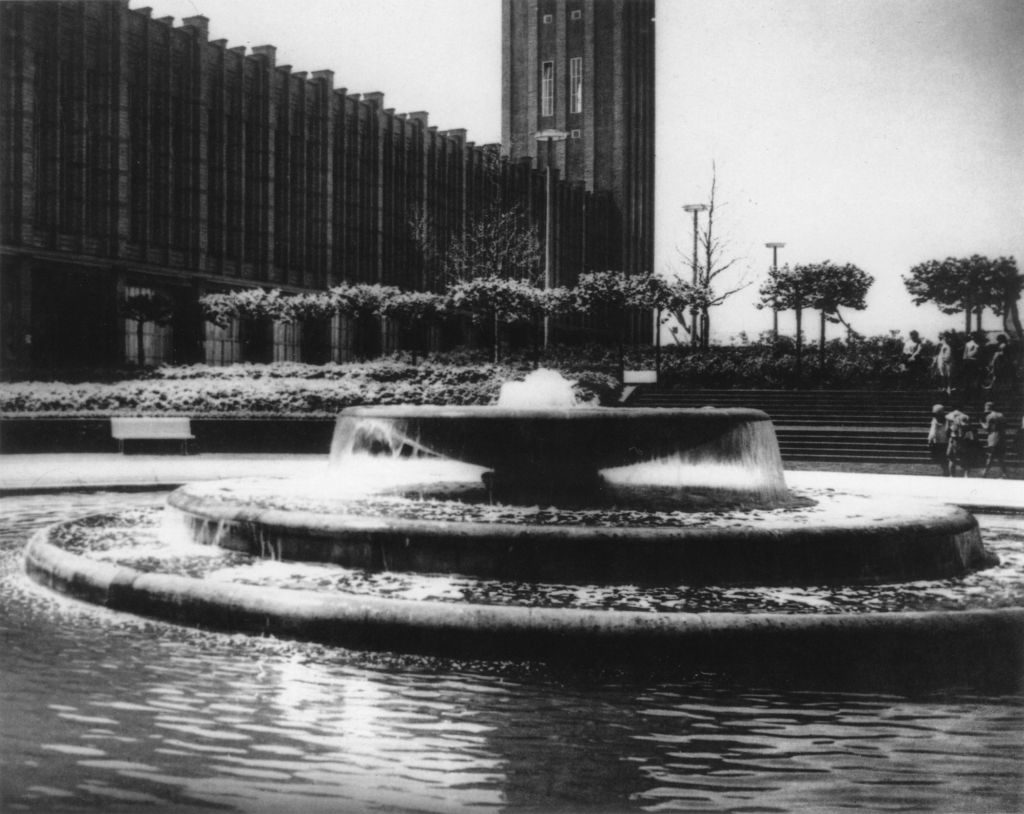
[325, 178]
[200, 102]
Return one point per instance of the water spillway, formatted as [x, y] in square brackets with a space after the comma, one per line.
[583, 456]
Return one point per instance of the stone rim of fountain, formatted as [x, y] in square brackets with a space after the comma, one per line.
[916, 541]
[489, 631]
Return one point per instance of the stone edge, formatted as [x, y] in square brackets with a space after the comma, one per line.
[448, 629]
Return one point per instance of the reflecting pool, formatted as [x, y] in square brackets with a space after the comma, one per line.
[103, 711]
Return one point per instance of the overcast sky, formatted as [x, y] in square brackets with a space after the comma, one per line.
[876, 132]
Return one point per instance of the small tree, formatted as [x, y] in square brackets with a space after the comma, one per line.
[314, 310]
[257, 309]
[836, 287]
[498, 302]
[147, 307]
[411, 309]
[790, 289]
[362, 303]
[613, 294]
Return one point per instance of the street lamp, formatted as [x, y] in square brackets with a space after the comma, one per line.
[775, 270]
[696, 209]
[550, 136]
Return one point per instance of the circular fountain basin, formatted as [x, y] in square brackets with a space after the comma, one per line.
[940, 623]
[829, 538]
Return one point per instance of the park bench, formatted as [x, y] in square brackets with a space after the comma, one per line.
[632, 378]
[164, 428]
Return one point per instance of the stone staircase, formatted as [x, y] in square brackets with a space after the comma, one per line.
[832, 426]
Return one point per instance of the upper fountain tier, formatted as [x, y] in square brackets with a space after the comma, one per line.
[649, 458]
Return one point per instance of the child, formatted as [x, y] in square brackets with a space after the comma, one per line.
[938, 438]
[960, 446]
[994, 423]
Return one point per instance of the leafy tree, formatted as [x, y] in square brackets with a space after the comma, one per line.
[613, 294]
[150, 306]
[251, 303]
[790, 289]
[497, 301]
[836, 287]
[970, 284]
[411, 309]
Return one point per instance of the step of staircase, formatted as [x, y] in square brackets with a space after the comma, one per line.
[836, 426]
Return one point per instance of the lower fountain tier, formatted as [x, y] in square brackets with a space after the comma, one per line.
[841, 539]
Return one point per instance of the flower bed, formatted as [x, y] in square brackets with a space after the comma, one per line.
[275, 390]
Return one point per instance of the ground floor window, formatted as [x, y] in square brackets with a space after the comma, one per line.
[157, 339]
[287, 342]
[221, 344]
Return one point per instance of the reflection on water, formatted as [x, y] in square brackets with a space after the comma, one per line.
[103, 711]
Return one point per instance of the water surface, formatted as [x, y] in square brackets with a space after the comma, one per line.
[104, 711]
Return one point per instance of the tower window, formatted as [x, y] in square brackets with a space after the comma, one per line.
[576, 14]
[574, 134]
[548, 19]
[576, 84]
[547, 89]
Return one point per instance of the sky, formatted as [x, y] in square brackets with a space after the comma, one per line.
[881, 133]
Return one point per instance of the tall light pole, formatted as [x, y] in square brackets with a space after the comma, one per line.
[549, 136]
[696, 209]
[775, 270]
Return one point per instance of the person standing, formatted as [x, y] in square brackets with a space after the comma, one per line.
[910, 362]
[938, 439]
[994, 423]
[960, 448]
[999, 365]
[971, 366]
[944, 362]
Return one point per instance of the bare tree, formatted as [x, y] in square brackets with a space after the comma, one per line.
[712, 264]
[498, 242]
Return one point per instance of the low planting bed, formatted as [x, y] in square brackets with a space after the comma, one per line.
[246, 407]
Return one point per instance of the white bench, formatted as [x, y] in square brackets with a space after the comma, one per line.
[639, 377]
[164, 428]
[632, 378]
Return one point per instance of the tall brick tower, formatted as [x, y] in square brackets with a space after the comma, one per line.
[585, 68]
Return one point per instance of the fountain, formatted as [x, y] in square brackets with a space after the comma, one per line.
[469, 520]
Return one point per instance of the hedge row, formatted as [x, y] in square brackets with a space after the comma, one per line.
[276, 390]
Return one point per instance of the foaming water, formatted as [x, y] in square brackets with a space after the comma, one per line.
[104, 711]
[747, 457]
[542, 388]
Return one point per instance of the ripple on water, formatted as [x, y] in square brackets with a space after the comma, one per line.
[318, 728]
[137, 539]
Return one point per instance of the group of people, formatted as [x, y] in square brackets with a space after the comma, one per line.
[970, 366]
[954, 443]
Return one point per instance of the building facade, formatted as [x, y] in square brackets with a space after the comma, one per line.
[139, 156]
[584, 69]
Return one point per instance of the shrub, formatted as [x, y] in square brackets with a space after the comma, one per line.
[286, 389]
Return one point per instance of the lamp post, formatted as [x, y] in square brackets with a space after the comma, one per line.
[549, 136]
[696, 209]
[775, 269]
